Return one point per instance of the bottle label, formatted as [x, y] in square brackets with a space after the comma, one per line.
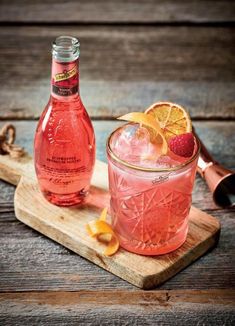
[65, 78]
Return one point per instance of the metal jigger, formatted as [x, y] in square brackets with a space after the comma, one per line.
[220, 180]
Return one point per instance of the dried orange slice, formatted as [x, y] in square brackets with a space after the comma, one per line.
[149, 122]
[104, 232]
[172, 118]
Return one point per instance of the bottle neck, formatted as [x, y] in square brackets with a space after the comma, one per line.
[64, 79]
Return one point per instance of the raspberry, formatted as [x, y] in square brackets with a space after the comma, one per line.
[182, 145]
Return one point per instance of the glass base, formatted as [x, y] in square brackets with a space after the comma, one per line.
[154, 250]
[73, 199]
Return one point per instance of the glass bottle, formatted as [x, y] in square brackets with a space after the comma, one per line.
[64, 144]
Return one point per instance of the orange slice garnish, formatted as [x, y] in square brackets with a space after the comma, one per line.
[172, 118]
[149, 122]
[103, 232]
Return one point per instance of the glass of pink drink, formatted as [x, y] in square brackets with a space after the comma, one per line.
[150, 198]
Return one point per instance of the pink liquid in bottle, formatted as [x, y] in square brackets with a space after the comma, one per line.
[64, 146]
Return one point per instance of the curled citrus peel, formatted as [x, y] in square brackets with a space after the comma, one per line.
[104, 232]
[152, 124]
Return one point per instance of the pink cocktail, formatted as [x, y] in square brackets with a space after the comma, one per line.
[150, 195]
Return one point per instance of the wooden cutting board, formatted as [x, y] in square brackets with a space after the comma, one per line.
[67, 227]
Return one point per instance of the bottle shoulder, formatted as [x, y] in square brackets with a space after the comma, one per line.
[73, 115]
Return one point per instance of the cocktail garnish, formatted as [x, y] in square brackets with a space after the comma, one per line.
[182, 145]
[172, 118]
[150, 123]
[103, 231]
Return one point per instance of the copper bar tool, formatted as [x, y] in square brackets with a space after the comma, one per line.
[220, 180]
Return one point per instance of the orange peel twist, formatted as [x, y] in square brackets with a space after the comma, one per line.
[149, 122]
[102, 231]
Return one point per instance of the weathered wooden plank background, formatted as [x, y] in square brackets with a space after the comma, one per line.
[31, 257]
[132, 54]
[126, 11]
[124, 308]
[123, 69]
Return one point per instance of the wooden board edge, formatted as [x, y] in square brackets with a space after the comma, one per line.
[139, 280]
[152, 281]
[11, 169]
[83, 251]
[99, 260]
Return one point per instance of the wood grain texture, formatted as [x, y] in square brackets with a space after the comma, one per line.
[193, 66]
[30, 262]
[218, 136]
[67, 227]
[212, 307]
[130, 78]
[27, 257]
[106, 11]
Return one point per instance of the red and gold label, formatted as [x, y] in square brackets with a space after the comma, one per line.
[65, 78]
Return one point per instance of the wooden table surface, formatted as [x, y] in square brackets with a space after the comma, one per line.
[132, 54]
